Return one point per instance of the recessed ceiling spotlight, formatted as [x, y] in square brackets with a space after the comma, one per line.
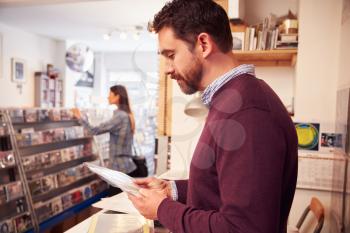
[106, 36]
[136, 36]
[123, 35]
[138, 27]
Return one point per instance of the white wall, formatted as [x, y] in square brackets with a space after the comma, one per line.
[71, 77]
[133, 60]
[100, 86]
[257, 10]
[281, 80]
[60, 63]
[185, 132]
[344, 58]
[317, 66]
[316, 80]
[36, 50]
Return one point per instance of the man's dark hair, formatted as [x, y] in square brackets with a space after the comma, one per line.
[189, 18]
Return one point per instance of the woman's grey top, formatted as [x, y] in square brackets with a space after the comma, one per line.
[121, 140]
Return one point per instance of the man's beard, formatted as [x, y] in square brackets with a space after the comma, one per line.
[190, 82]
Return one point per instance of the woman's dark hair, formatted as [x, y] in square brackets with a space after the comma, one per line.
[189, 18]
[124, 103]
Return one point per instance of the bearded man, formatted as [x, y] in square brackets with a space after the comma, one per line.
[244, 169]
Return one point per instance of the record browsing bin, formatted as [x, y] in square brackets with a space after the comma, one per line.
[48, 146]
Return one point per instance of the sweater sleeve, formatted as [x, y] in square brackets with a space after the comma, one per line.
[249, 173]
[181, 186]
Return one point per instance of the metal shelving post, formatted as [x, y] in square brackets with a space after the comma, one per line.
[21, 172]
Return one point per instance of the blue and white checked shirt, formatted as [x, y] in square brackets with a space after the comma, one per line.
[120, 142]
[219, 82]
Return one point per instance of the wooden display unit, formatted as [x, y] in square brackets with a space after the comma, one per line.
[48, 91]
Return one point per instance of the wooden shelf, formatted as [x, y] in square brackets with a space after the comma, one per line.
[267, 57]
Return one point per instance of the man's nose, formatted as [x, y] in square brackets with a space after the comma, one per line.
[169, 69]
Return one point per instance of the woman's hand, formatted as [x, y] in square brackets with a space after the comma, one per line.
[76, 113]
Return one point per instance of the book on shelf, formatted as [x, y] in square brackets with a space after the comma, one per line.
[287, 45]
[292, 37]
[238, 40]
[267, 36]
[251, 38]
[247, 38]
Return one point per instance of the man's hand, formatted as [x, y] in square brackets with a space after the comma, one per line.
[152, 183]
[148, 202]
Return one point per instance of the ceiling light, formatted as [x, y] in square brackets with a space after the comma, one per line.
[123, 36]
[106, 36]
[136, 36]
[134, 31]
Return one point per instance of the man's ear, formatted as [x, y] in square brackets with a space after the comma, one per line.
[205, 43]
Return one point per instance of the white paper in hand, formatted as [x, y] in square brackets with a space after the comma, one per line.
[115, 178]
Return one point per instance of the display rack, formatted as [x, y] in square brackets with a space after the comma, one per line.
[18, 197]
[50, 148]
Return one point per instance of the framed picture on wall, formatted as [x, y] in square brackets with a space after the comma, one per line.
[18, 70]
[308, 135]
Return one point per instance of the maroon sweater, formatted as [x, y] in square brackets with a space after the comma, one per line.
[244, 169]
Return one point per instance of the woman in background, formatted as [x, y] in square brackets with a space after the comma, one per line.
[120, 127]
